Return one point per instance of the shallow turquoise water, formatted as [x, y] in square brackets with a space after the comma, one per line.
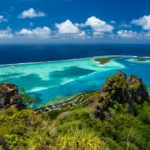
[49, 82]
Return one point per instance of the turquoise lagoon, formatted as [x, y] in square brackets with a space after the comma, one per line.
[50, 82]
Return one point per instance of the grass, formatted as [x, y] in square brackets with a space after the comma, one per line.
[75, 129]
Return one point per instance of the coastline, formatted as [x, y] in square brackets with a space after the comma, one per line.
[48, 88]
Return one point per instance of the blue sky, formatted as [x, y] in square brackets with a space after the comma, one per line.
[79, 21]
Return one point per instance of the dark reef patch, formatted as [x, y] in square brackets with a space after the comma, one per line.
[71, 72]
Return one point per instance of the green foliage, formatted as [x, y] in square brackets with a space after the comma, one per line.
[81, 139]
[74, 129]
[112, 144]
[145, 113]
[25, 97]
[1, 148]
[12, 140]
[77, 127]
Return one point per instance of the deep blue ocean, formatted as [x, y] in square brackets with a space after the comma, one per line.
[54, 73]
[11, 54]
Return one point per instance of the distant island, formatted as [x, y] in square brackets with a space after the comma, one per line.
[115, 117]
[142, 59]
[104, 60]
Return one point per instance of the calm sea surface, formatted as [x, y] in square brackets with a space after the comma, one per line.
[11, 54]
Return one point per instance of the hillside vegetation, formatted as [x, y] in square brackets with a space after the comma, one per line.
[115, 118]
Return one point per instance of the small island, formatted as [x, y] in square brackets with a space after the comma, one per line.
[142, 59]
[105, 60]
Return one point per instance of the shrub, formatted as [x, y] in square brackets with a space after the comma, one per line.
[81, 139]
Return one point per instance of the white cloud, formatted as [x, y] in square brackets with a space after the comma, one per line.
[127, 34]
[40, 33]
[31, 13]
[68, 27]
[146, 35]
[143, 21]
[2, 19]
[6, 34]
[93, 29]
[99, 26]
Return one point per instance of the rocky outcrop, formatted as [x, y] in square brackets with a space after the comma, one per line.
[127, 91]
[9, 96]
